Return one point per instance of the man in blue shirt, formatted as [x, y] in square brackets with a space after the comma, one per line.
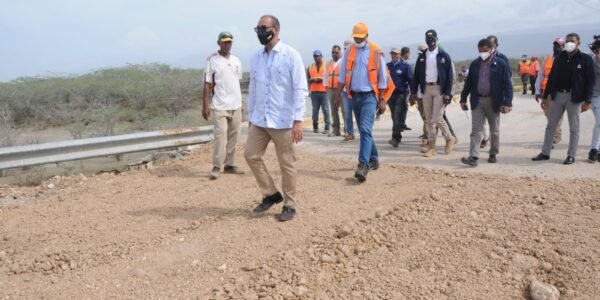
[401, 74]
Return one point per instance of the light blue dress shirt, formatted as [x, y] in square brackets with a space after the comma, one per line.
[360, 74]
[278, 88]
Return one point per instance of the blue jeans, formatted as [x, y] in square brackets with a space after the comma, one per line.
[364, 106]
[596, 132]
[348, 114]
[319, 100]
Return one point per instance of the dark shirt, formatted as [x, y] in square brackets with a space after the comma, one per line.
[564, 74]
[483, 84]
[401, 74]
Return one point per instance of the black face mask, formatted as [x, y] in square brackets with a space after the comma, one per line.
[265, 36]
[430, 42]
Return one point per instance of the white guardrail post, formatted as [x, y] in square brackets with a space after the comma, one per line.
[39, 154]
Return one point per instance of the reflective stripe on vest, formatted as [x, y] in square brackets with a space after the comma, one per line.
[548, 61]
[315, 73]
[524, 67]
[333, 73]
[534, 68]
[373, 68]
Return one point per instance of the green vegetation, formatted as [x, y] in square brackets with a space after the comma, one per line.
[104, 102]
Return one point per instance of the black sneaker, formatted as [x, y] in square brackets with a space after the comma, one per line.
[492, 159]
[373, 165]
[267, 202]
[394, 142]
[232, 170]
[541, 156]
[471, 161]
[593, 155]
[287, 213]
[361, 172]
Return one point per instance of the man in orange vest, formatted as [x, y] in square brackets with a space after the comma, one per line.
[332, 75]
[524, 72]
[534, 68]
[542, 81]
[364, 75]
[318, 91]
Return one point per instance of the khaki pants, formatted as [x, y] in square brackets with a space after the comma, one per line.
[558, 131]
[227, 129]
[335, 112]
[433, 107]
[258, 140]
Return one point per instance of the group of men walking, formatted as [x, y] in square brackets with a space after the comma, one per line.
[357, 81]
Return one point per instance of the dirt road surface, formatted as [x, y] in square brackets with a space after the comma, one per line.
[435, 232]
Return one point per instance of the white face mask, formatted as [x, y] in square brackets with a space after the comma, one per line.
[484, 55]
[570, 47]
[361, 45]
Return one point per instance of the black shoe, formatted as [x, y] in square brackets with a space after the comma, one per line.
[569, 161]
[287, 213]
[492, 159]
[471, 161]
[361, 172]
[593, 155]
[232, 170]
[316, 130]
[406, 128]
[541, 156]
[394, 142]
[267, 202]
[373, 165]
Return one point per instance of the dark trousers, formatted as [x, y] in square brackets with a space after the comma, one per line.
[532, 80]
[398, 108]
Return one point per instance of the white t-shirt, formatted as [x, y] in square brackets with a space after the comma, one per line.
[431, 71]
[225, 74]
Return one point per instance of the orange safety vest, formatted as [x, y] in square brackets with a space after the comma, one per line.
[524, 67]
[317, 73]
[534, 68]
[333, 73]
[548, 61]
[373, 71]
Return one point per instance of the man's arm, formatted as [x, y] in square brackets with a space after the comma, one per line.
[540, 78]
[300, 91]
[449, 76]
[208, 88]
[467, 87]
[382, 75]
[409, 77]
[507, 86]
[590, 76]
[551, 78]
[414, 85]
[251, 90]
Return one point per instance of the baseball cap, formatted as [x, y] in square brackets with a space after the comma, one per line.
[559, 41]
[317, 53]
[430, 32]
[395, 50]
[360, 30]
[225, 36]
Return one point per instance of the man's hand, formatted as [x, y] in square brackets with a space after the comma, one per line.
[413, 99]
[537, 98]
[381, 105]
[585, 106]
[544, 103]
[464, 106]
[297, 131]
[506, 109]
[447, 99]
[205, 113]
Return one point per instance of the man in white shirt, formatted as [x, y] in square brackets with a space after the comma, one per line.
[276, 107]
[222, 77]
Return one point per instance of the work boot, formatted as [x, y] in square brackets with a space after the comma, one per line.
[431, 151]
[492, 159]
[471, 161]
[214, 173]
[449, 146]
[361, 172]
[394, 142]
[593, 155]
[373, 165]
[348, 138]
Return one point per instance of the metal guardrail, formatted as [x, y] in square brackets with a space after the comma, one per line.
[39, 154]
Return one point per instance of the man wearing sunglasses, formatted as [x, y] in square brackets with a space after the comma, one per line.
[276, 107]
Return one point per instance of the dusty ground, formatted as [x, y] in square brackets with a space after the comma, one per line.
[407, 233]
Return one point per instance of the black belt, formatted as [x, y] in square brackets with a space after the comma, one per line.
[564, 91]
[361, 93]
[432, 83]
[485, 95]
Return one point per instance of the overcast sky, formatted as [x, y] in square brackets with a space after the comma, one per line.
[47, 37]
